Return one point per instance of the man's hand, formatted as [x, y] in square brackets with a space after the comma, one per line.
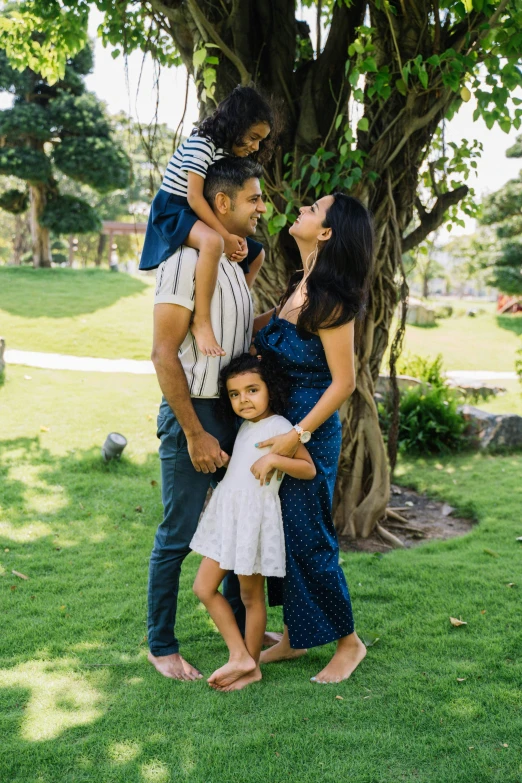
[263, 469]
[206, 453]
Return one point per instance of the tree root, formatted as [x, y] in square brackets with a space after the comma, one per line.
[393, 540]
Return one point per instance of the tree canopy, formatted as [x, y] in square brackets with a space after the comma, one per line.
[503, 210]
[51, 127]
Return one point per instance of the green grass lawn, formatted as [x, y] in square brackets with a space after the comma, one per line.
[485, 342]
[80, 704]
[83, 312]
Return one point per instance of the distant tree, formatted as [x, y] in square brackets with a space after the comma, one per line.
[471, 257]
[503, 210]
[56, 127]
[422, 265]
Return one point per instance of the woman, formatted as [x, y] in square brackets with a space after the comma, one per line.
[312, 335]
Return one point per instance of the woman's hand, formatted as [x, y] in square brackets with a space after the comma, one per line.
[285, 445]
[263, 469]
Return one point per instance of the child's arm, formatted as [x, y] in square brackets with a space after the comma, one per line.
[301, 466]
[198, 202]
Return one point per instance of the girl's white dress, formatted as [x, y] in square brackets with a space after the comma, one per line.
[242, 526]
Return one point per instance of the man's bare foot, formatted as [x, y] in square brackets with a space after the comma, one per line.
[350, 652]
[231, 672]
[174, 667]
[271, 637]
[247, 679]
[281, 652]
[205, 338]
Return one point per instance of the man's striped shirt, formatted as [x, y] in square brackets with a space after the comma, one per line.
[196, 154]
[231, 315]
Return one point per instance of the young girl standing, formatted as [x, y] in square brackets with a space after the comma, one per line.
[180, 215]
[242, 530]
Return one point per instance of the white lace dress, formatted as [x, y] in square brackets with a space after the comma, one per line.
[242, 527]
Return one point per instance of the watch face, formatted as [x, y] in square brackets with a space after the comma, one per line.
[305, 436]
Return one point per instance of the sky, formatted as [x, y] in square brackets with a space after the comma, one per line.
[134, 89]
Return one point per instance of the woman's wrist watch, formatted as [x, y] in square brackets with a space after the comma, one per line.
[304, 435]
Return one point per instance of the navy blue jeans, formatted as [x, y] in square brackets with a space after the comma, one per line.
[183, 492]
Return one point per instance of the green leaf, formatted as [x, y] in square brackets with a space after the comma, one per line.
[370, 65]
[468, 6]
[198, 58]
[338, 121]
[401, 86]
[315, 179]
[115, 53]
[369, 638]
[363, 124]
[212, 60]
[423, 77]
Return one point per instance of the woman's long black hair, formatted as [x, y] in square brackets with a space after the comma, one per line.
[235, 115]
[337, 286]
[267, 368]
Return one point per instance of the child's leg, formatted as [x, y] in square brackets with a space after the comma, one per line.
[240, 662]
[253, 597]
[210, 246]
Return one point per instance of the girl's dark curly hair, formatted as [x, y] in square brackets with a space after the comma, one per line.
[235, 115]
[269, 371]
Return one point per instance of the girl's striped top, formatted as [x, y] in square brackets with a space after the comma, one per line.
[196, 154]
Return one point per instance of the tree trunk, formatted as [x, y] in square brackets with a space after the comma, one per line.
[40, 235]
[21, 243]
[258, 40]
[425, 285]
[102, 241]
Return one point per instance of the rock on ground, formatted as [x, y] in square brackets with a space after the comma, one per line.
[493, 430]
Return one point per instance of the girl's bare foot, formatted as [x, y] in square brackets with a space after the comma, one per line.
[281, 652]
[174, 667]
[231, 672]
[350, 652]
[205, 339]
[247, 679]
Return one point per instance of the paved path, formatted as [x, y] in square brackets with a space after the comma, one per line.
[477, 376]
[58, 361]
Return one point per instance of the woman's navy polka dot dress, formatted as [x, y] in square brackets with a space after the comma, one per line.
[314, 594]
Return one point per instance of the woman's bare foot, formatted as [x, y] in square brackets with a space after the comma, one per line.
[202, 330]
[350, 652]
[271, 637]
[231, 672]
[174, 667]
[247, 679]
[281, 652]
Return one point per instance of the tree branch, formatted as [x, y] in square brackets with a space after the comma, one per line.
[433, 219]
[201, 19]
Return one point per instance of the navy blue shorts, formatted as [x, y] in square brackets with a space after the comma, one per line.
[170, 222]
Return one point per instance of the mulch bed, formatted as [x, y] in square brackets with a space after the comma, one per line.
[425, 520]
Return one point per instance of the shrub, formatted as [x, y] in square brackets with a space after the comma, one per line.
[429, 422]
[443, 311]
[424, 368]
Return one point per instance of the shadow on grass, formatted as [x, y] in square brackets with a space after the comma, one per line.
[62, 293]
[513, 323]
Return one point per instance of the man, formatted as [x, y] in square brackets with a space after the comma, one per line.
[195, 443]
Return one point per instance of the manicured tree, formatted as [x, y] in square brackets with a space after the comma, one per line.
[503, 210]
[56, 126]
[365, 105]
